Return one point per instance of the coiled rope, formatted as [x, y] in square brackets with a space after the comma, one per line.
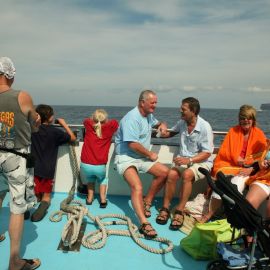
[75, 212]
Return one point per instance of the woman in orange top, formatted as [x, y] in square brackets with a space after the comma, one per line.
[242, 146]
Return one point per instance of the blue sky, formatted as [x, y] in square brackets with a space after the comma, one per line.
[105, 52]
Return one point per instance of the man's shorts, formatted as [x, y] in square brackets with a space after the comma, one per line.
[123, 162]
[43, 185]
[92, 173]
[19, 180]
[264, 187]
[195, 169]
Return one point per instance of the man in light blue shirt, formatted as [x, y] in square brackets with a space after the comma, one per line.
[195, 149]
[134, 127]
[133, 155]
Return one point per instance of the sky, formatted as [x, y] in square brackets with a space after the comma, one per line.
[104, 53]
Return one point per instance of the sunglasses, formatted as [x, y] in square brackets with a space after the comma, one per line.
[244, 118]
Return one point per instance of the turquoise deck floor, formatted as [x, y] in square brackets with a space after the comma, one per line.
[41, 240]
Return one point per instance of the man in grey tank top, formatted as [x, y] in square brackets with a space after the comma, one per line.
[17, 119]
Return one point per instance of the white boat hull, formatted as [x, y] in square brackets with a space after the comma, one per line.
[117, 185]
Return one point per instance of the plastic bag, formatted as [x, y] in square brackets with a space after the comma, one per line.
[201, 243]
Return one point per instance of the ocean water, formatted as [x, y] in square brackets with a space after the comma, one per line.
[220, 119]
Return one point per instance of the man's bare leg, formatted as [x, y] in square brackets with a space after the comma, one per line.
[186, 189]
[134, 182]
[170, 187]
[132, 178]
[15, 233]
[160, 173]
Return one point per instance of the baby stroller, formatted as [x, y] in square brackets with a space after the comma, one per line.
[241, 215]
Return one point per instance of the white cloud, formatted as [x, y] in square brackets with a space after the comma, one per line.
[189, 88]
[257, 89]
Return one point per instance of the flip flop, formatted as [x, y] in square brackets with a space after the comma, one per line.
[31, 264]
[2, 237]
[40, 212]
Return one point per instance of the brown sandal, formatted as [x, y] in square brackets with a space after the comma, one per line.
[147, 207]
[163, 216]
[147, 232]
[177, 218]
[2, 237]
[31, 264]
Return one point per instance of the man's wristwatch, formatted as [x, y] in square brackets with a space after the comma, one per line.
[190, 162]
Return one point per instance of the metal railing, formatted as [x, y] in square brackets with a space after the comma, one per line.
[79, 131]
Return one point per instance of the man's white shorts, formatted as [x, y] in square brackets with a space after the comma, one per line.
[123, 162]
[195, 169]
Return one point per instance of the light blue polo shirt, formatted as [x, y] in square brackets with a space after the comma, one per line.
[134, 128]
[199, 140]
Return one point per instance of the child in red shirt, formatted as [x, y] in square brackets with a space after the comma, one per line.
[94, 157]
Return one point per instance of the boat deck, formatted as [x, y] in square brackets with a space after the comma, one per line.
[41, 240]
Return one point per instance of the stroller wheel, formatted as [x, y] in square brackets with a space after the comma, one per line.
[216, 265]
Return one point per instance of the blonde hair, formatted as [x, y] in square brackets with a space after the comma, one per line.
[248, 111]
[100, 116]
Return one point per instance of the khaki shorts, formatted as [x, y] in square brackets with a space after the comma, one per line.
[19, 180]
[123, 162]
[195, 169]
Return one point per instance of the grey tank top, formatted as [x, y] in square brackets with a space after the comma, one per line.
[15, 129]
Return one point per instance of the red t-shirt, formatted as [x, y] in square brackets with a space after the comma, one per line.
[244, 149]
[95, 150]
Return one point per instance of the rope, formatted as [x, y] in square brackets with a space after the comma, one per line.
[75, 212]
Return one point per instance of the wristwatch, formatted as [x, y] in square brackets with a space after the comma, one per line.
[190, 162]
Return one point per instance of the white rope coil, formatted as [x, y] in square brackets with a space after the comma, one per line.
[76, 211]
[97, 239]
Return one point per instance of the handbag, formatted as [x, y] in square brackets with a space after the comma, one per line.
[201, 243]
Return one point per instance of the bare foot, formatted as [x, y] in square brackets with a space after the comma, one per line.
[204, 218]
